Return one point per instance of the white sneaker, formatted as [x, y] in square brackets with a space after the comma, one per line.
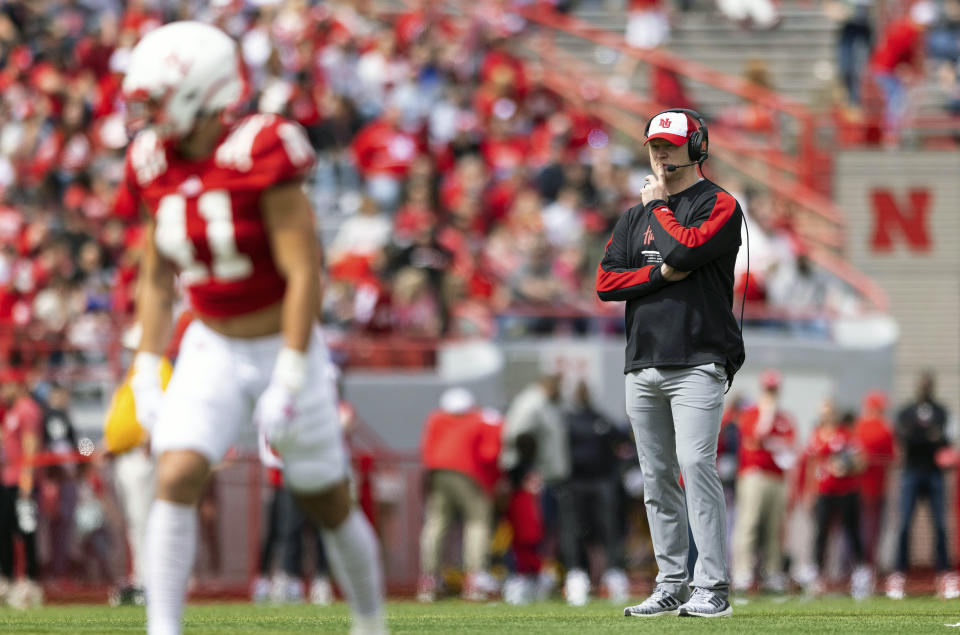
[25, 594]
[260, 589]
[546, 583]
[705, 603]
[426, 588]
[321, 591]
[861, 583]
[775, 583]
[518, 590]
[617, 585]
[576, 588]
[661, 602]
[286, 589]
[896, 583]
[948, 587]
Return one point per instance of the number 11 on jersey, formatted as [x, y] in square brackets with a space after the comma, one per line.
[173, 240]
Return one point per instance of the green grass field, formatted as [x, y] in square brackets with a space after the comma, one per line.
[830, 615]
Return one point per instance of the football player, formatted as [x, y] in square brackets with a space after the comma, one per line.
[227, 211]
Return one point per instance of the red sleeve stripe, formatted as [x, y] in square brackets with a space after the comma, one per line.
[695, 236]
[613, 280]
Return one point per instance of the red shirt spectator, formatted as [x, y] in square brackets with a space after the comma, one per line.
[901, 44]
[835, 449]
[21, 430]
[759, 435]
[873, 434]
[462, 438]
[382, 148]
[767, 433]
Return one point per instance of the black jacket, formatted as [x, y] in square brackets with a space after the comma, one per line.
[684, 323]
[921, 428]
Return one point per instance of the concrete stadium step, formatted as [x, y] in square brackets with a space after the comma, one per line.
[798, 52]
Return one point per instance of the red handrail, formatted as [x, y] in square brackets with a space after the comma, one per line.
[809, 160]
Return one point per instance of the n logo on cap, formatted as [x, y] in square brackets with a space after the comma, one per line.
[664, 122]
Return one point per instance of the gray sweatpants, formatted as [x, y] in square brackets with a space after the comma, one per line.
[675, 414]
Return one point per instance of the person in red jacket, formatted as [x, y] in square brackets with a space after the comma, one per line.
[873, 433]
[384, 152]
[838, 461]
[21, 432]
[897, 61]
[766, 451]
[460, 446]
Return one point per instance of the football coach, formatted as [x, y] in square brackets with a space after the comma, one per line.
[672, 260]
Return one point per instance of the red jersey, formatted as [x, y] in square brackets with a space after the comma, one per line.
[754, 452]
[836, 444]
[208, 217]
[874, 435]
[24, 418]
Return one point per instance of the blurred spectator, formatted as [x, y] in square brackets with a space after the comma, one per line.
[94, 538]
[297, 528]
[837, 462]
[873, 433]
[943, 38]
[728, 463]
[751, 14]
[921, 430]
[260, 588]
[59, 487]
[426, 262]
[285, 533]
[752, 116]
[460, 446]
[22, 434]
[767, 436]
[800, 288]
[897, 62]
[384, 153]
[854, 41]
[536, 456]
[365, 234]
[647, 24]
[589, 505]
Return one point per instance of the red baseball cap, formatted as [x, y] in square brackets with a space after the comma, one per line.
[770, 379]
[675, 127]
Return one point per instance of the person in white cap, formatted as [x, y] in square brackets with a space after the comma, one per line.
[461, 443]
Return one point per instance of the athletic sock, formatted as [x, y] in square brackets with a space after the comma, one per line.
[171, 544]
[354, 555]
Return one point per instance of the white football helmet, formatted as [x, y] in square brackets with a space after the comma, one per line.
[178, 72]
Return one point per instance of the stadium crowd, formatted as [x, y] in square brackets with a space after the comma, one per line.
[452, 186]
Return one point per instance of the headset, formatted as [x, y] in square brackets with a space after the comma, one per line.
[698, 142]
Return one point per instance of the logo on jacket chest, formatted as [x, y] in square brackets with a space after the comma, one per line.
[648, 236]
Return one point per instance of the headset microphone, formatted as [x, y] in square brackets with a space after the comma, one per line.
[671, 167]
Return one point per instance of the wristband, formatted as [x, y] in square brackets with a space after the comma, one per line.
[291, 369]
[147, 364]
